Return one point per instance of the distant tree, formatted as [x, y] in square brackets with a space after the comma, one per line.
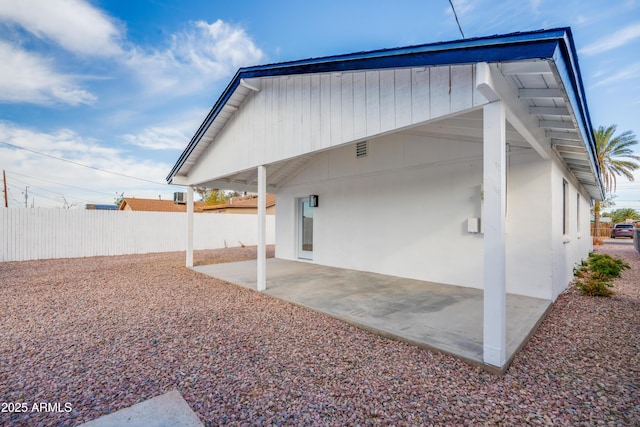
[202, 192]
[119, 199]
[66, 204]
[615, 158]
[214, 196]
[619, 215]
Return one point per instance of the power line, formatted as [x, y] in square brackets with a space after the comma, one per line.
[456, 15]
[81, 164]
[58, 194]
[60, 183]
[59, 197]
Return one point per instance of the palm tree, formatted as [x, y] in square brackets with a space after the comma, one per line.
[619, 215]
[615, 158]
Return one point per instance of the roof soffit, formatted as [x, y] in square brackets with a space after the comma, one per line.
[553, 97]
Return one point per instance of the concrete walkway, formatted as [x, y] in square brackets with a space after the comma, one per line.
[436, 316]
[167, 410]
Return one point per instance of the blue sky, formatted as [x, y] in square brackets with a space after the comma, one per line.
[122, 85]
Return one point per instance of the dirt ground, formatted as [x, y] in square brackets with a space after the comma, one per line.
[90, 336]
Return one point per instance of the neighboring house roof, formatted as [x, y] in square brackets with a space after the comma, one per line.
[241, 203]
[155, 205]
[530, 61]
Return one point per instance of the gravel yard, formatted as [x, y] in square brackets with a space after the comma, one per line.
[101, 334]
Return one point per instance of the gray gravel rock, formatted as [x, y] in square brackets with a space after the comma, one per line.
[101, 334]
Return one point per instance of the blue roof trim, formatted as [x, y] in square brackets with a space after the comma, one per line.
[466, 55]
[510, 47]
[495, 40]
[569, 71]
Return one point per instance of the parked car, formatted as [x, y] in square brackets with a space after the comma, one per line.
[622, 230]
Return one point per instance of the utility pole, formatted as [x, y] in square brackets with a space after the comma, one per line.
[4, 178]
[26, 196]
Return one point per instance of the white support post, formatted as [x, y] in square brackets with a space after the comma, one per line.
[262, 227]
[494, 183]
[189, 226]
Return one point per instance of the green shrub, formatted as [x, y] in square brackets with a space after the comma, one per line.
[595, 276]
[593, 285]
[607, 266]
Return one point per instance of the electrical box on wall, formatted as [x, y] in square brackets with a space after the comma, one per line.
[473, 225]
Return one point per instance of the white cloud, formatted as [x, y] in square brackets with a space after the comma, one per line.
[199, 55]
[630, 72]
[100, 187]
[159, 138]
[62, 142]
[168, 134]
[26, 77]
[218, 46]
[75, 25]
[617, 39]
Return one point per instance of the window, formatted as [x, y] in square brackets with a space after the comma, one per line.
[565, 207]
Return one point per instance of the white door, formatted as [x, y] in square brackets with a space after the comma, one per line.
[305, 229]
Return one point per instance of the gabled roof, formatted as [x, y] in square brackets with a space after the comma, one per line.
[562, 112]
[154, 205]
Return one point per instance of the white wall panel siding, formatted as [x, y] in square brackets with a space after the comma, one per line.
[372, 96]
[325, 111]
[440, 91]
[297, 108]
[347, 107]
[359, 105]
[314, 134]
[40, 233]
[420, 103]
[461, 87]
[387, 100]
[336, 109]
[294, 115]
[402, 97]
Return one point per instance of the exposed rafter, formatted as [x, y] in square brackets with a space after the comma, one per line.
[550, 111]
[540, 93]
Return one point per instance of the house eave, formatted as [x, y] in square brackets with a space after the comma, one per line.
[554, 46]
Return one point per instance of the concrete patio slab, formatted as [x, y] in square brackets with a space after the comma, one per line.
[432, 315]
[167, 410]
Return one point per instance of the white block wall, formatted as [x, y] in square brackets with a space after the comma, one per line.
[403, 210]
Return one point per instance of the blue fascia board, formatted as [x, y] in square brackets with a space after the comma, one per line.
[418, 59]
[566, 61]
[478, 42]
[511, 47]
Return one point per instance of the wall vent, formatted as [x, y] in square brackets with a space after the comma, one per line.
[362, 149]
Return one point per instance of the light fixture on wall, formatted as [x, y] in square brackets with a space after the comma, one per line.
[313, 200]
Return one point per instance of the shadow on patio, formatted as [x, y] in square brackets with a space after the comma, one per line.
[431, 315]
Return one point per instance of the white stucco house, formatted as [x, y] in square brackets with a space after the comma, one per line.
[489, 139]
